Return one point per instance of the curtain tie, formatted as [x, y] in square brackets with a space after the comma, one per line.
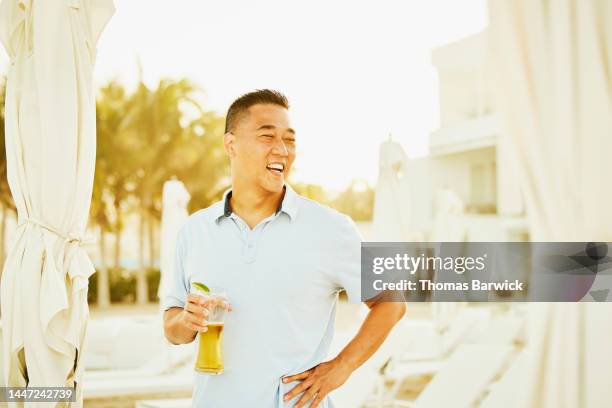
[69, 238]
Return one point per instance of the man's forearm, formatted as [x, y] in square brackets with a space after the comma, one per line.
[175, 332]
[375, 328]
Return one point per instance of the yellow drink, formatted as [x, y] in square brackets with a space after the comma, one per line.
[209, 358]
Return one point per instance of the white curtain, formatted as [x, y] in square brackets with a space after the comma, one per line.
[50, 147]
[553, 63]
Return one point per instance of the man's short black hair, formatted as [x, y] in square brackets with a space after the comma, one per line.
[240, 106]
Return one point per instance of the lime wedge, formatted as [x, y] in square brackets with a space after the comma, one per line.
[201, 286]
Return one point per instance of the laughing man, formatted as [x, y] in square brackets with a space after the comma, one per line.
[282, 260]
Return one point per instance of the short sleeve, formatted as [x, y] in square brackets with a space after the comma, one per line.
[177, 288]
[346, 266]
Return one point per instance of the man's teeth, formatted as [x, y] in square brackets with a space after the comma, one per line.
[276, 167]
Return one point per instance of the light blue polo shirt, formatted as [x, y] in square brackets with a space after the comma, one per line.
[282, 279]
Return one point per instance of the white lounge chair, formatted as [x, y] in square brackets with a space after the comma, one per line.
[464, 378]
[123, 342]
[426, 350]
[501, 330]
[165, 403]
[433, 345]
[502, 394]
[179, 381]
[468, 328]
[140, 360]
[422, 352]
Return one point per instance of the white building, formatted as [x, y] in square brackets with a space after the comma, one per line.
[467, 188]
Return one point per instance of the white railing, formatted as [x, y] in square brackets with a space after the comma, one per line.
[467, 135]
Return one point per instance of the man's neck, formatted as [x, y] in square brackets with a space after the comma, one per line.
[253, 204]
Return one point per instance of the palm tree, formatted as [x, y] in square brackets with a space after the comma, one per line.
[207, 175]
[112, 177]
[157, 127]
[99, 215]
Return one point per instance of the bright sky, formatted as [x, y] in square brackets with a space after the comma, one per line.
[353, 70]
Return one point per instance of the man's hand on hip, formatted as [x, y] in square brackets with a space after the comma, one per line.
[317, 382]
[326, 377]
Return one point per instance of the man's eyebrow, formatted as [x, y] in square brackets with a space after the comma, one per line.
[272, 127]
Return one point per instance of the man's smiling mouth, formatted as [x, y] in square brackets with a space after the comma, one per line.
[276, 168]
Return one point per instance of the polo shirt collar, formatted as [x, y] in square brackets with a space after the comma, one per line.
[288, 204]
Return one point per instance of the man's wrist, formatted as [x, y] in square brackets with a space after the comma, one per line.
[346, 363]
[175, 329]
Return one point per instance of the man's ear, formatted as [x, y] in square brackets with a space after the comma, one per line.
[229, 142]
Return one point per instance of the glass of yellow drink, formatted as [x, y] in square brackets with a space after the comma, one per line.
[209, 358]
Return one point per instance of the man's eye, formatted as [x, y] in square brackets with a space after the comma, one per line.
[290, 140]
[267, 136]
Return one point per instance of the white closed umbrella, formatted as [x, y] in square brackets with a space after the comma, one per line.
[391, 201]
[403, 197]
[175, 198]
[50, 147]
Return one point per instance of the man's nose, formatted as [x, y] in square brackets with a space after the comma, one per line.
[280, 148]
